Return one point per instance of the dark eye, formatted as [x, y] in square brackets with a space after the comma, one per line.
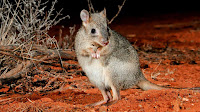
[93, 31]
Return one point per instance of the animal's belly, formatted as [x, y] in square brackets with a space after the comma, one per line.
[96, 73]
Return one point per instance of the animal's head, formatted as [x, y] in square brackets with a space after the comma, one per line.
[95, 26]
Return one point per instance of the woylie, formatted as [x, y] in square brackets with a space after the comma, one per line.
[108, 59]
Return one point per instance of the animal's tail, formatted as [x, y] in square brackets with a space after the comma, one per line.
[147, 85]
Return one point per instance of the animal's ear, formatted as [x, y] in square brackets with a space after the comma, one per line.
[103, 12]
[84, 16]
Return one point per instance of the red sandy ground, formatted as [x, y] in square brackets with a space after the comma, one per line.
[178, 66]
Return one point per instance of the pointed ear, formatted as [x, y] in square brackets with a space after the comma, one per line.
[103, 12]
[84, 16]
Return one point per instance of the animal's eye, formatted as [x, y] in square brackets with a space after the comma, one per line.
[93, 31]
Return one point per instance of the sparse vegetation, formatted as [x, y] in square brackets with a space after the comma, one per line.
[25, 45]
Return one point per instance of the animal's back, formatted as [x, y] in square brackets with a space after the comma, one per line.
[123, 63]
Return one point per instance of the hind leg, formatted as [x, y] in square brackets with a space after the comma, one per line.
[106, 98]
[116, 96]
[109, 95]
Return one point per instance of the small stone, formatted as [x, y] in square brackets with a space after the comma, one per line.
[103, 109]
[185, 99]
[140, 106]
[175, 63]
[192, 62]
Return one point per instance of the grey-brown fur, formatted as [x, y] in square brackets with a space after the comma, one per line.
[108, 59]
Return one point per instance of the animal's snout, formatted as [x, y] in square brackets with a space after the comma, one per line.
[104, 41]
[104, 37]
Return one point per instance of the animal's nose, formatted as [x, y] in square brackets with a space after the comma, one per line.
[105, 41]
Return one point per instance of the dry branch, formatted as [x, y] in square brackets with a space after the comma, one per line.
[66, 54]
[40, 54]
[10, 54]
[120, 8]
[16, 73]
[60, 41]
[91, 10]
[90, 6]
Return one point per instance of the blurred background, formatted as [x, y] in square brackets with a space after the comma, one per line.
[132, 8]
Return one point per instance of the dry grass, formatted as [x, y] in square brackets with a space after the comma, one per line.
[25, 22]
[24, 39]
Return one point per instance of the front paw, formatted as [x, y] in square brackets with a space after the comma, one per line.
[95, 55]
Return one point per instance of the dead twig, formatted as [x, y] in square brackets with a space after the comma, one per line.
[27, 63]
[60, 41]
[10, 54]
[90, 6]
[155, 75]
[16, 73]
[120, 8]
[71, 36]
[91, 9]
[22, 68]
[66, 54]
